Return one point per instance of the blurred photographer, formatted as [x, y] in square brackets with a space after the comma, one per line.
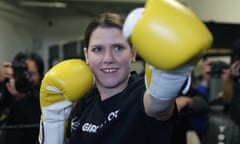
[194, 107]
[219, 76]
[229, 117]
[235, 72]
[19, 99]
[213, 78]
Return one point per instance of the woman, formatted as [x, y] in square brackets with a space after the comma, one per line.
[118, 110]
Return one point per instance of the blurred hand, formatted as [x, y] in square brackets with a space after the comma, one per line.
[226, 74]
[6, 70]
[235, 68]
[7, 73]
[183, 101]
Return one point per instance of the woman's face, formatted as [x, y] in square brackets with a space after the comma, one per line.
[109, 56]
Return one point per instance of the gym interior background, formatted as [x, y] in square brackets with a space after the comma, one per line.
[54, 28]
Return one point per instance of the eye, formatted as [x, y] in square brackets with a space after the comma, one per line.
[118, 47]
[96, 49]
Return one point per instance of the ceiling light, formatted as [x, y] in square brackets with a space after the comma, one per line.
[43, 4]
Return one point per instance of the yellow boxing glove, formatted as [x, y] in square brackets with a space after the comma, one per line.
[64, 83]
[166, 34]
[171, 39]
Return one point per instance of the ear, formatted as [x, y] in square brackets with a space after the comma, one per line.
[85, 54]
[134, 54]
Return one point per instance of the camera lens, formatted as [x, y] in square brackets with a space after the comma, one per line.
[217, 68]
[21, 76]
[22, 84]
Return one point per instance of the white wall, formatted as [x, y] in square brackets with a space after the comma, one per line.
[19, 31]
[223, 11]
[22, 32]
[62, 30]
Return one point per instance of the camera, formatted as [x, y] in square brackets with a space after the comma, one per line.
[217, 68]
[21, 76]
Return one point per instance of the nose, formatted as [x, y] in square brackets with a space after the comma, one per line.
[108, 57]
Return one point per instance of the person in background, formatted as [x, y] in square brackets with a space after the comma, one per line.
[235, 72]
[225, 113]
[19, 103]
[193, 108]
[235, 103]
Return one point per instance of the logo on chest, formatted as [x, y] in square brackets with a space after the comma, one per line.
[93, 128]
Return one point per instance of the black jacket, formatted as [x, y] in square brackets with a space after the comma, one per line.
[235, 104]
[22, 118]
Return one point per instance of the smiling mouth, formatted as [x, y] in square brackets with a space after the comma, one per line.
[109, 70]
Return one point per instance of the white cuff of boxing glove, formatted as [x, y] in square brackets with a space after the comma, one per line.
[131, 21]
[165, 85]
[52, 128]
[58, 111]
[52, 133]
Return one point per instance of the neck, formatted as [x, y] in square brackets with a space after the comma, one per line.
[107, 92]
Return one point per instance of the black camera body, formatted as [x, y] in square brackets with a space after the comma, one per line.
[21, 76]
[217, 68]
